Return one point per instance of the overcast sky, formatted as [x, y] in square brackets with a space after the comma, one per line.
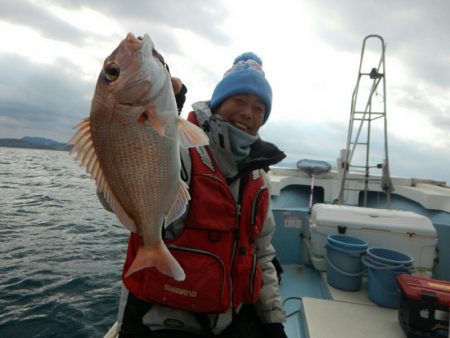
[52, 51]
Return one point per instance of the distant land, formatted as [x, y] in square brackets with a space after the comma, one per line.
[31, 142]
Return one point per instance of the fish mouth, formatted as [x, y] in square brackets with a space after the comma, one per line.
[137, 42]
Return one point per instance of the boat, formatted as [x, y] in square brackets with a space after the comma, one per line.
[317, 200]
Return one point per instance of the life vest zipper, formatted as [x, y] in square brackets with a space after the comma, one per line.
[236, 233]
[254, 212]
[255, 204]
[252, 274]
[236, 236]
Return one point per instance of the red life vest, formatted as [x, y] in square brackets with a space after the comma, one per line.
[215, 247]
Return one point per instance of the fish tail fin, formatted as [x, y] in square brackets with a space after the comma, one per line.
[190, 135]
[158, 257]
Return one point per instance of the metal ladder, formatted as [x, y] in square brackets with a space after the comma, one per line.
[357, 161]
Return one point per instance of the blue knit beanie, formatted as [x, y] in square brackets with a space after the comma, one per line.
[245, 77]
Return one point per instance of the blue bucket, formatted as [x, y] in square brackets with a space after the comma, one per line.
[382, 283]
[388, 257]
[344, 266]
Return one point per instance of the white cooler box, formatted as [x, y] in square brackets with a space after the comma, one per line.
[404, 231]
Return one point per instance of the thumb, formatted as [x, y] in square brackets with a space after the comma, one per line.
[176, 85]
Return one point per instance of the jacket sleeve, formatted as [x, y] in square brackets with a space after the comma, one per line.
[269, 305]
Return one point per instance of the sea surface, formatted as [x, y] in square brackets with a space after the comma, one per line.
[61, 253]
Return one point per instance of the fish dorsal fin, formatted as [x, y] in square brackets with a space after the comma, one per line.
[86, 154]
[190, 135]
[179, 207]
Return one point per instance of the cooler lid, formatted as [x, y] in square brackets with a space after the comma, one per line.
[418, 288]
[398, 221]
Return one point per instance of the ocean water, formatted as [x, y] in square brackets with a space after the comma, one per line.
[61, 253]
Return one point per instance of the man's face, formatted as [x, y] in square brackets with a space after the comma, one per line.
[244, 111]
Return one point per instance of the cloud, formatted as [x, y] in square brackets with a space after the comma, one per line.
[430, 101]
[324, 141]
[46, 99]
[413, 30]
[87, 25]
[418, 160]
[40, 19]
[317, 141]
[201, 17]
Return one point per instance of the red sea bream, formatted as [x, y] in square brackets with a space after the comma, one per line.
[130, 145]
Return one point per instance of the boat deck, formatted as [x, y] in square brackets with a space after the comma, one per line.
[317, 310]
[298, 282]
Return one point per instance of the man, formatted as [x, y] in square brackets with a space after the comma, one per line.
[223, 241]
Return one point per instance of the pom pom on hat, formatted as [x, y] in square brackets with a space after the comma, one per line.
[244, 77]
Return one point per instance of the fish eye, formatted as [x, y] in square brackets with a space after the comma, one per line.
[111, 71]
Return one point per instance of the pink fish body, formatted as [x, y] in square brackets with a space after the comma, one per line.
[130, 145]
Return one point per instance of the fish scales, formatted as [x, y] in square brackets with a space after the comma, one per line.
[130, 161]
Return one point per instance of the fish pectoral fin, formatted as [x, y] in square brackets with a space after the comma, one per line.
[158, 257]
[190, 135]
[179, 206]
[150, 115]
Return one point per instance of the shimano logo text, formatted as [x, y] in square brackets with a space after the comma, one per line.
[180, 291]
